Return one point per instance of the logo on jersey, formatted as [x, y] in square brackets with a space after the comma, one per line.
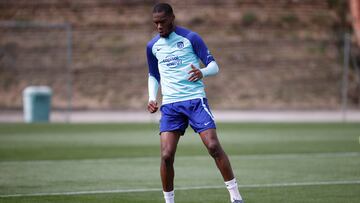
[171, 61]
[180, 45]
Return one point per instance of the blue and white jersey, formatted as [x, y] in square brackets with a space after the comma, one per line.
[169, 61]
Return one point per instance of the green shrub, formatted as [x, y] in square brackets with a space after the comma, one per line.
[289, 18]
[249, 18]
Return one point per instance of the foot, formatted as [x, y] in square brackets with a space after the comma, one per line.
[238, 201]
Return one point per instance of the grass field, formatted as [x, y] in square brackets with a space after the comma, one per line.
[280, 163]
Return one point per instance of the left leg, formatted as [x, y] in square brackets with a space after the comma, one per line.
[202, 121]
[214, 148]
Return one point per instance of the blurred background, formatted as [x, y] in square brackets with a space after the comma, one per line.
[289, 79]
[274, 55]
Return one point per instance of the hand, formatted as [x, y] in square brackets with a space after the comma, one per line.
[152, 106]
[196, 74]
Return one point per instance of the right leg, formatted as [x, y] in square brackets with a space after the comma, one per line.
[169, 141]
[172, 125]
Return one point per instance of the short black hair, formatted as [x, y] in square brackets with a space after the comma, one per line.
[163, 7]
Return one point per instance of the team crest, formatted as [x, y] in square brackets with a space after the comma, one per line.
[180, 45]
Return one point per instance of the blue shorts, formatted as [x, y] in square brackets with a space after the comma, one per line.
[177, 116]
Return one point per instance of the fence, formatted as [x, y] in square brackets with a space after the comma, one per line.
[106, 68]
[34, 53]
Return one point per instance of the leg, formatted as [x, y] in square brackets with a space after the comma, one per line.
[169, 141]
[214, 148]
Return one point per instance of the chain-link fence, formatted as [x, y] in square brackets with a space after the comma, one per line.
[269, 57]
[258, 70]
[35, 54]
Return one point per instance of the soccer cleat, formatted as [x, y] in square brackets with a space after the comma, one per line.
[238, 201]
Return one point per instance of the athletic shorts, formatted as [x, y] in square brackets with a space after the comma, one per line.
[178, 115]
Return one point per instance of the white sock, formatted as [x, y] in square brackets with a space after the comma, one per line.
[232, 186]
[169, 197]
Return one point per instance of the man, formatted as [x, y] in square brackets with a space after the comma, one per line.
[173, 59]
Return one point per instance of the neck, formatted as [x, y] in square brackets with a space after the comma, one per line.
[171, 30]
[173, 27]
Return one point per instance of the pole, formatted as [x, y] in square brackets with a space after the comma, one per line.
[68, 72]
[345, 76]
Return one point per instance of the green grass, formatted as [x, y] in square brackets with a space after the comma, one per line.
[323, 194]
[60, 158]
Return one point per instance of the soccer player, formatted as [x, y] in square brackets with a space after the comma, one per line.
[173, 58]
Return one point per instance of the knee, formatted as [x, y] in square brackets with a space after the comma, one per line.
[167, 157]
[214, 150]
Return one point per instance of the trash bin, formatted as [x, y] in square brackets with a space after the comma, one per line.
[37, 103]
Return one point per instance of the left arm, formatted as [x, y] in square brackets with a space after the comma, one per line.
[197, 74]
[206, 58]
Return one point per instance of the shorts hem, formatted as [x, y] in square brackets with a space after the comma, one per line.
[203, 129]
[182, 132]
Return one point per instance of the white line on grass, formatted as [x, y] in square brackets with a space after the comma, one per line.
[341, 182]
[248, 156]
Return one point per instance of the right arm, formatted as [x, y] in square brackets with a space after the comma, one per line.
[153, 80]
[153, 86]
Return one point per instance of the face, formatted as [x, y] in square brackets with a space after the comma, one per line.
[164, 23]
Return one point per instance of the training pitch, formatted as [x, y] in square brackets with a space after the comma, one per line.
[282, 163]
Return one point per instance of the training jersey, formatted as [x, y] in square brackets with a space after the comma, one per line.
[169, 62]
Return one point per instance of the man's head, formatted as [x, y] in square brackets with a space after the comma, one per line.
[163, 18]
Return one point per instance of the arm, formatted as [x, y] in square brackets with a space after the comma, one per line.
[196, 74]
[211, 69]
[153, 80]
[206, 58]
[153, 86]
